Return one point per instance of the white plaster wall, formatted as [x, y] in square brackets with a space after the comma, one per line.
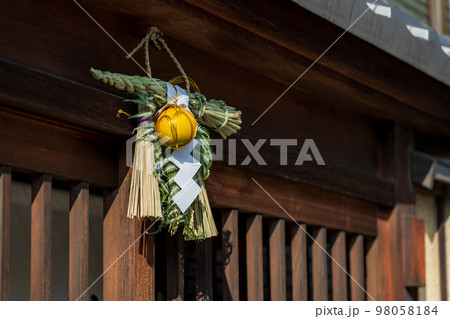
[426, 209]
[447, 237]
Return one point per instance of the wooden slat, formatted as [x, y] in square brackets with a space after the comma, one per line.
[230, 250]
[339, 277]
[319, 264]
[277, 257]
[129, 263]
[254, 252]
[41, 237]
[299, 263]
[175, 266]
[5, 234]
[203, 261]
[372, 269]
[78, 241]
[356, 261]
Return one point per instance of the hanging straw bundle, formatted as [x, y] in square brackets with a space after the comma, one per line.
[153, 186]
[145, 200]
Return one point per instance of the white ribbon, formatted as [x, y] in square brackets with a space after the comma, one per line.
[187, 164]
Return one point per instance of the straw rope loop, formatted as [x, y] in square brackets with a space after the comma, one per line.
[155, 35]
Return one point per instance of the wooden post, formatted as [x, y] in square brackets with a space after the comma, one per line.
[230, 250]
[78, 241]
[319, 264]
[299, 263]
[277, 257]
[391, 284]
[41, 237]
[5, 233]
[254, 243]
[338, 276]
[175, 266]
[128, 262]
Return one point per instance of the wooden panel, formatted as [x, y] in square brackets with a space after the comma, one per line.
[63, 153]
[41, 237]
[338, 275]
[413, 249]
[356, 260]
[128, 255]
[203, 261]
[228, 186]
[253, 33]
[258, 46]
[5, 234]
[254, 251]
[299, 263]
[319, 264]
[230, 250]
[175, 266]
[277, 257]
[338, 175]
[78, 241]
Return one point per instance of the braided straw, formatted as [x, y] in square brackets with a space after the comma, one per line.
[215, 114]
[155, 35]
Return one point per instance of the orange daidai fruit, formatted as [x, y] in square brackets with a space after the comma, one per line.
[177, 127]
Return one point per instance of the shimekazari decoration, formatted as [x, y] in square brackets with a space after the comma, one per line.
[172, 154]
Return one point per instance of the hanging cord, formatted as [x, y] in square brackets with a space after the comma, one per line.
[155, 35]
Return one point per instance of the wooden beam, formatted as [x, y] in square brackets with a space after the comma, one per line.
[98, 114]
[338, 276]
[5, 232]
[357, 269]
[41, 237]
[57, 150]
[78, 241]
[230, 252]
[319, 264]
[175, 266]
[277, 255]
[254, 252]
[299, 263]
[128, 253]
[203, 261]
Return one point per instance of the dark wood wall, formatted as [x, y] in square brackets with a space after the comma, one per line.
[56, 119]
